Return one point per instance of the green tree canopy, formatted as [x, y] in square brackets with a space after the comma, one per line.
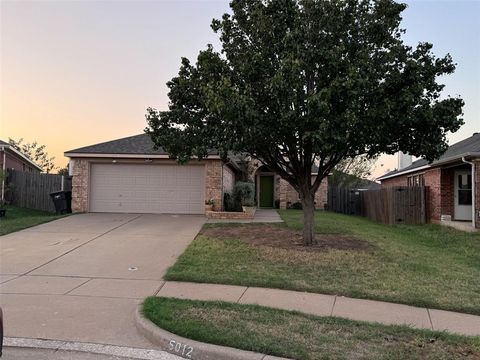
[299, 82]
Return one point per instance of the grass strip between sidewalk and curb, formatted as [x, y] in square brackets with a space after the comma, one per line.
[425, 265]
[300, 336]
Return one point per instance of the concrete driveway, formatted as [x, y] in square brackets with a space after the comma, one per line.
[80, 278]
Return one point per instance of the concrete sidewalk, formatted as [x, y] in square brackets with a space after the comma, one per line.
[329, 305]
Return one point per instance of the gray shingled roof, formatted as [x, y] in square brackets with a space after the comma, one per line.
[3, 143]
[468, 145]
[138, 144]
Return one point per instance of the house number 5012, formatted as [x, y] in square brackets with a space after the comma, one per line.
[179, 348]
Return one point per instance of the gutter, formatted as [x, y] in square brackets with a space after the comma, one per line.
[4, 169]
[128, 156]
[403, 172]
[472, 164]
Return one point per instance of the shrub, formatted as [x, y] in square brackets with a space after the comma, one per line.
[296, 205]
[244, 193]
[229, 203]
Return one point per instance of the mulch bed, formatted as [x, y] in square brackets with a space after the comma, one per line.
[284, 238]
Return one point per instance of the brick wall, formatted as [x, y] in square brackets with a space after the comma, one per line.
[447, 191]
[228, 179]
[214, 183]
[434, 202]
[288, 195]
[396, 181]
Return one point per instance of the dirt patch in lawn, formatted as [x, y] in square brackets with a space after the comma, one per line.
[284, 238]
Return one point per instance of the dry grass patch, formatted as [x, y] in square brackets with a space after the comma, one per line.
[284, 238]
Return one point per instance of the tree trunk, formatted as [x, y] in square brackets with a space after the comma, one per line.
[308, 218]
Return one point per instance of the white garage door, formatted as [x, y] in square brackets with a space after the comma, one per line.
[131, 188]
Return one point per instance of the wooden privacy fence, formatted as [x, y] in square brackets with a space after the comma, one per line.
[393, 205]
[32, 190]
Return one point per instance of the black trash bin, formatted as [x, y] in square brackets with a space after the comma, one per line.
[62, 201]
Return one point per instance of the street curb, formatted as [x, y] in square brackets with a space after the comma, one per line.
[89, 348]
[191, 349]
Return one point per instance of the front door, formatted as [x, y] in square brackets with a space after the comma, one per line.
[463, 195]
[266, 191]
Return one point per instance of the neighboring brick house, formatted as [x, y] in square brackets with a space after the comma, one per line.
[453, 193]
[12, 159]
[129, 175]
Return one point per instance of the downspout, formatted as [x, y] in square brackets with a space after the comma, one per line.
[4, 169]
[472, 164]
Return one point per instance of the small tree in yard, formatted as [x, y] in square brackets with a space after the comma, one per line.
[299, 82]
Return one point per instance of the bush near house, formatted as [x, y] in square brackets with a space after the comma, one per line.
[243, 194]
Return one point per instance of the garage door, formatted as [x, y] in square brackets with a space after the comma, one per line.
[130, 188]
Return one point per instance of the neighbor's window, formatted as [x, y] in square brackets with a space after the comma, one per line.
[416, 180]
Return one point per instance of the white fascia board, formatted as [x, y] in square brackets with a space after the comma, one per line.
[403, 172]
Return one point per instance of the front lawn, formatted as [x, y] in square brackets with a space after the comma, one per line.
[21, 218]
[300, 336]
[427, 265]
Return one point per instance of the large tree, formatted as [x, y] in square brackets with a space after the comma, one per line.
[304, 81]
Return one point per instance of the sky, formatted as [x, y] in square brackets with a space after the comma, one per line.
[75, 73]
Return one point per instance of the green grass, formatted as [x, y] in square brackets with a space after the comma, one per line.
[20, 218]
[427, 265]
[300, 336]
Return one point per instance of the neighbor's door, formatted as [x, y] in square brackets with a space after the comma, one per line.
[266, 191]
[463, 195]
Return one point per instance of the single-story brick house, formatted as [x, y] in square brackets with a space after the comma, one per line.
[453, 182]
[129, 175]
[11, 158]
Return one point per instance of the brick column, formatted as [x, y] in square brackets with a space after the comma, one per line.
[433, 181]
[447, 191]
[214, 183]
[80, 183]
[321, 196]
[282, 193]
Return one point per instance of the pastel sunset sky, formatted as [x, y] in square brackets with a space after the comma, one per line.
[75, 73]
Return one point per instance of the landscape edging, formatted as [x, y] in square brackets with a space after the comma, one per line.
[200, 351]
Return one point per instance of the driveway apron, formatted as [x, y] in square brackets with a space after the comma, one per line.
[80, 278]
